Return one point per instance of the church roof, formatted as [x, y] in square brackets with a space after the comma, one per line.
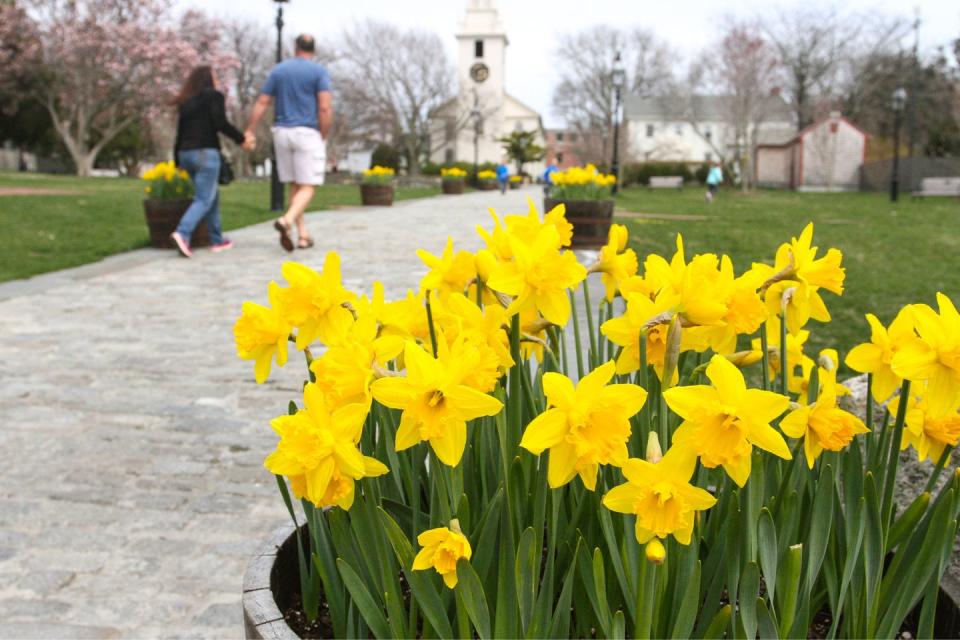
[699, 107]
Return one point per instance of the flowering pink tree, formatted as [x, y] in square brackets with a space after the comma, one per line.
[107, 63]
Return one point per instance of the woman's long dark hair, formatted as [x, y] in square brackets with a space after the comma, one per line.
[199, 79]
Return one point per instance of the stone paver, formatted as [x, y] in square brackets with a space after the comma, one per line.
[132, 489]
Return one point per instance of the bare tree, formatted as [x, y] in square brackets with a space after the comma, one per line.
[390, 81]
[584, 97]
[745, 68]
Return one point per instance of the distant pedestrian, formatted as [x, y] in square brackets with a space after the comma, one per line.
[202, 115]
[300, 89]
[503, 176]
[714, 178]
[548, 177]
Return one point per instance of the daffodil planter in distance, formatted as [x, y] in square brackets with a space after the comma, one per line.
[487, 185]
[591, 220]
[164, 215]
[453, 187]
[376, 195]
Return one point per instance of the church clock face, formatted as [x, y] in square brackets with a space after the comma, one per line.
[479, 72]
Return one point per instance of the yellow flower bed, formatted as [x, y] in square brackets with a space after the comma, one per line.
[487, 174]
[672, 442]
[378, 175]
[582, 183]
[452, 173]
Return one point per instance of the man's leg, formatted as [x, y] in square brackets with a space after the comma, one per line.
[300, 197]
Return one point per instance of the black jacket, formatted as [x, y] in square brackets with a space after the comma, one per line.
[201, 117]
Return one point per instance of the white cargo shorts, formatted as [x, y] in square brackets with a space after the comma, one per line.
[301, 154]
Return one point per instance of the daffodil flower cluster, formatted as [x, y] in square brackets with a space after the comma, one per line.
[452, 173]
[487, 174]
[582, 183]
[378, 175]
[495, 433]
[166, 182]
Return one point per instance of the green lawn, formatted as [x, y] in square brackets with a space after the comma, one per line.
[104, 216]
[894, 254]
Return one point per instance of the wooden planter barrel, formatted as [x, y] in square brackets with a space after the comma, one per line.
[268, 584]
[376, 195]
[591, 220]
[487, 185]
[454, 187]
[163, 216]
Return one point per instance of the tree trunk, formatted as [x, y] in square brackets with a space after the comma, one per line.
[84, 162]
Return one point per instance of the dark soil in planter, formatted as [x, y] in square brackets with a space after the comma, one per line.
[285, 584]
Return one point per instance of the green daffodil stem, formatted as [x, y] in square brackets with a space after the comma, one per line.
[893, 460]
[932, 482]
[514, 402]
[593, 336]
[765, 357]
[433, 331]
[783, 354]
[576, 333]
[872, 436]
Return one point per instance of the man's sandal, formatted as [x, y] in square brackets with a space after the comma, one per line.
[284, 230]
[305, 242]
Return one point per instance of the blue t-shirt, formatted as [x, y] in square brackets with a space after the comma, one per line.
[294, 85]
[502, 172]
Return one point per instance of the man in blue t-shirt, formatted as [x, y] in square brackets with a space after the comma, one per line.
[299, 88]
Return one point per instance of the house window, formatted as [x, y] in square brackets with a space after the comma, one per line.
[518, 126]
[478, 48]
[559, 136]
[559, 158]
[649, 130]
[679, 129]
[708, 134]
[448, 155]
[708, 157]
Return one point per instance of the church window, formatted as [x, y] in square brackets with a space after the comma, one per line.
[478, 48]
[649, 130]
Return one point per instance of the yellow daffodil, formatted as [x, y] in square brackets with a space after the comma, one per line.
[876, 356]
[486, 174]
[583, 427]
[617, 262]
[826, 366]
[933, 355]
[526, 228]
[345, 371]
[723, 422]
[625, 331]
[449, 273]
[319, 445]
[261, 334]
[314, 302]
[406, 318]
[661, 496]
[452, 173]
[822, 425]
[539, 276]
[460, 316]
[442, 548]
[797, 361]
[435, 401]
[928, 433]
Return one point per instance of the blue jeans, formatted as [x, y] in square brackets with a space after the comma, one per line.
[203, 165]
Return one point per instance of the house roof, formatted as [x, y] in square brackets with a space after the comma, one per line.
[699, 107]
[810, 128]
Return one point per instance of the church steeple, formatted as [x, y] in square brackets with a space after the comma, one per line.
[482, 42]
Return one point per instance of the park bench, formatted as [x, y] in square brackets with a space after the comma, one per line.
[938, 187]
[666, 182]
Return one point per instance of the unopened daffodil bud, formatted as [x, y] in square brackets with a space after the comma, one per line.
[655, 551]
[654, 452]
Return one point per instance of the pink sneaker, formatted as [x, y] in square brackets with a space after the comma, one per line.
[225, 245]
[182, 245]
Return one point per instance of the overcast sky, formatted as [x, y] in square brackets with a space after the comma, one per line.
[533, 26]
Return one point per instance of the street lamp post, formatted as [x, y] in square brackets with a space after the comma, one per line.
[618, 78]
[477, 130]
[899, 100]
[276, 189]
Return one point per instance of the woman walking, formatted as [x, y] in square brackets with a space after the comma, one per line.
[202, 116]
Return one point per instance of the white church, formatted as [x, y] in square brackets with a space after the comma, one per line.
[467, 127]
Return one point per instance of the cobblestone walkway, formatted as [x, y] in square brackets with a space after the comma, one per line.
[131, 487]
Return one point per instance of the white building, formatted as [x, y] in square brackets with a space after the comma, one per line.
[481, 71]
[825, 156]
[696, 130]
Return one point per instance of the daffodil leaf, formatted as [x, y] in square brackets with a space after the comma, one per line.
[821, 522]
[769, 552]
[719, 623]
[505, 620]
[765, 623]
[619, 631]
[474, 598]
[789, 588]
[686, 612]
[371, 611]
[560, 627]
[528, 574]
[907, 522]
[486, 537]
[748, 592]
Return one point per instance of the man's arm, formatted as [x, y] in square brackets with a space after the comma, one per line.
[259, 109]
[325, 112]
